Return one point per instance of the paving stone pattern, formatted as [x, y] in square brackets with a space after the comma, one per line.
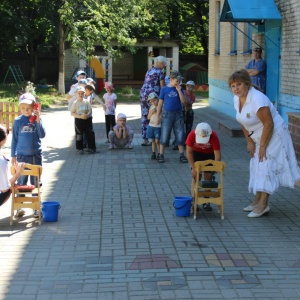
[117, 236]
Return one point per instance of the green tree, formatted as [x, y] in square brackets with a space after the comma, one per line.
[84, 24]
[79, 25]
[28, 26]
[194, 31]
[185, 20]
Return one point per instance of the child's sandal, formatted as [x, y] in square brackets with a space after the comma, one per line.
[183, 159]
[161, 159]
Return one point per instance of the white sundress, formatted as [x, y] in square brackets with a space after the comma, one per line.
[281, 166]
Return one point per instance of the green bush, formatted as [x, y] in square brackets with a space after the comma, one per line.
[127, 90]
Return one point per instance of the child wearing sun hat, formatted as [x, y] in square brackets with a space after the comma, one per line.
[154, 127]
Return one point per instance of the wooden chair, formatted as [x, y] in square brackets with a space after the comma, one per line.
[212, 195]
[27, 199]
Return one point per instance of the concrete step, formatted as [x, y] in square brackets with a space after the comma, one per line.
[231, 127]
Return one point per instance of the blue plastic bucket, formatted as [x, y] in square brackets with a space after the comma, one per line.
[182, 206]
[50, 211]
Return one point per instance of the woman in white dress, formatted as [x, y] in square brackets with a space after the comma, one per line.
[5, 181]
[273, 162]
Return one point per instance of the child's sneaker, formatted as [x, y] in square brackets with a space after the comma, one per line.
[79, 152]
[107, 141]
[153, 156]
[207, 207]
[92, 151]
[158, 156]
[161, 158]
[20, 213]
[36, 214]
[111, 147]
[129, 146]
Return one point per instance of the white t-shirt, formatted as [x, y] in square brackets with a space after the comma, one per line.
[4, 182]
[110, 103]
[72, 100]
[73, 89]
[81, 107]
[254, 101]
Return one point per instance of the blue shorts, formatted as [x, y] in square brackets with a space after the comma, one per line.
[29, 159]
[172, 120]
[153, 132]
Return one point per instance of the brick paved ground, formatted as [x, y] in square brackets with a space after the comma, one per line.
[118, 237]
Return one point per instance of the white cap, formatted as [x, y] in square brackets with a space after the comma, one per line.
[152, 96]
[203, 132]
[90, 80]
[80, 88]
[26, 98]
[121, 116]
[190, 82]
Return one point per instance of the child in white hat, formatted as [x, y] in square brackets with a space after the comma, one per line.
[81, 110]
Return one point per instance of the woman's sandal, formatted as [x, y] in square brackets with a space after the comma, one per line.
[183, 159]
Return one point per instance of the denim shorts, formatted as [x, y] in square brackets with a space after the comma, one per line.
[172, 120]
[153, 132]
[29, 159]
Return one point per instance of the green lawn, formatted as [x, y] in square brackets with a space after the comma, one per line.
[47, 96]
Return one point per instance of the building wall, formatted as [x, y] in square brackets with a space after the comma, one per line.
[72, 61]
[222, 65]
[123, 68]
[290, 59]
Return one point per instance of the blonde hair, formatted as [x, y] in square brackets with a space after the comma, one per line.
[240, 76]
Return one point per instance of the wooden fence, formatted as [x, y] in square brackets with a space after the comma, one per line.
[8, 113]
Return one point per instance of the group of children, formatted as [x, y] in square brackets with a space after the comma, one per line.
[168, 111]
[80, 97]
[176, 104]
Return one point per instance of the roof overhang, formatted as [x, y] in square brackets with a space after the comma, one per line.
[250, 11]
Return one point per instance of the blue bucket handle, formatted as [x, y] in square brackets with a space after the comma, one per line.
[59, 207]
[185, 204]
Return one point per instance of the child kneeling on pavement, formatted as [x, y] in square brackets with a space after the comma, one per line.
[122, 135]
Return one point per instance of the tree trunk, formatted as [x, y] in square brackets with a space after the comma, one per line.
[61, 60]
